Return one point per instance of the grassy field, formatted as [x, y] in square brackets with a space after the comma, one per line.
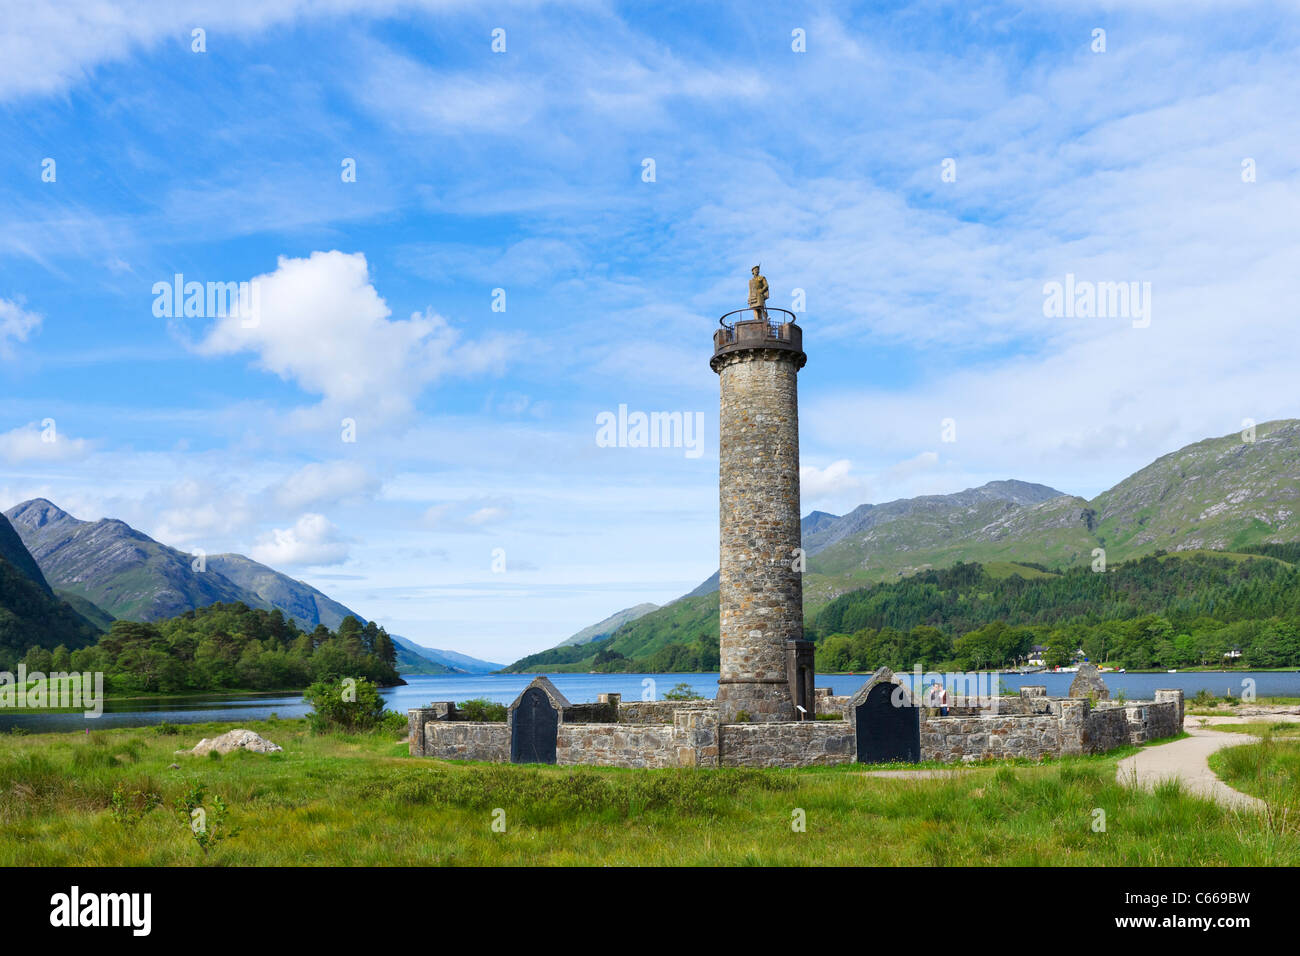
[1269, 770]
[360, 800]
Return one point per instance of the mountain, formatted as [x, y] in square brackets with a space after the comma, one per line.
[608, 626]
[15, 552]
[297, 599]
[91, 612]
[310, 607]
[115, 567]
[577, 647]
[411, 661]
[30, 612]
[1218, 494]
[903, 526]
[1222, 493]
[452, 660]
[106, 569]
[929, 518]
[1181, 609]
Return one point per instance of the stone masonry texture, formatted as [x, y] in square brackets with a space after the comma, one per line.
[690, 734]
[761, 592]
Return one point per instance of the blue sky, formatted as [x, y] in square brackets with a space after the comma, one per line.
[523, 171]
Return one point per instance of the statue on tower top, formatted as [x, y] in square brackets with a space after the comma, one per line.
[758, 294]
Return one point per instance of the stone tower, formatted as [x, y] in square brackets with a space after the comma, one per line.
[757, 359]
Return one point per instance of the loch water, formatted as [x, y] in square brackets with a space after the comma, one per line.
[583, 688]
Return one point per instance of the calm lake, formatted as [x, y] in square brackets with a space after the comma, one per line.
[583, 688]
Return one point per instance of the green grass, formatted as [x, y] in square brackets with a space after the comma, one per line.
[1269, 770]
[359, 800]
[1277, 728]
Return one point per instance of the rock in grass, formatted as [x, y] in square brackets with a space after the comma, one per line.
[234, 740]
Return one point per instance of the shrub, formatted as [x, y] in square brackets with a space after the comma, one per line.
[348, 705]
[166, 730]
[682, 691]
[394, 724]
[482, 709]
[130, 807]
[206, 824]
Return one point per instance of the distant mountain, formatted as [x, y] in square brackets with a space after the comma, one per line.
[30, 612]
[608, 626]
[452, 660]
[911, 523]
[929, 517]
[91, 612]
[297, 599]
[115, 567]
[1221, 494]
[15, 552]
[106, 569]
[411, 661]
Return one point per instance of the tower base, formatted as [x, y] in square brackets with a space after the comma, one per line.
[759, 701]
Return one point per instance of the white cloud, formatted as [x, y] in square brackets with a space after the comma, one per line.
[415, 97]
[313, 540]
[323, 483]
[40, 441]
[486, 515]
[471, 514]
[834, 479]
[47, 47]
[321, 324]
[16, 323]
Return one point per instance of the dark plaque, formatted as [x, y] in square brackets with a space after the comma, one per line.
[887, 734]
[532, 738]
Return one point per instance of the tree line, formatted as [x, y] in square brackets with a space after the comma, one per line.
[1160, 611]
[223, 647]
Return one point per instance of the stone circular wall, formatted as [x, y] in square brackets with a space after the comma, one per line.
[761, 594]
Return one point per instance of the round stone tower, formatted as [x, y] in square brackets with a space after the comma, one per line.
[757, 359]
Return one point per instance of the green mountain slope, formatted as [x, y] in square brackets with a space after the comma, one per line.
[297, 599]
[91, 612]
[30, 613]
[608, 626]
[410, 660]
[1168, 610]
[686, 621]
[115, 567]
[15, 552]
[108, 570]
[1220, 494]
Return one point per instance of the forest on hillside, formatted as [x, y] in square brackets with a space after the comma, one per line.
[226, 646]
[1161, 611]
[27, 609]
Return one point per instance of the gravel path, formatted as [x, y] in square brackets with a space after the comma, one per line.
[1188, 760]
